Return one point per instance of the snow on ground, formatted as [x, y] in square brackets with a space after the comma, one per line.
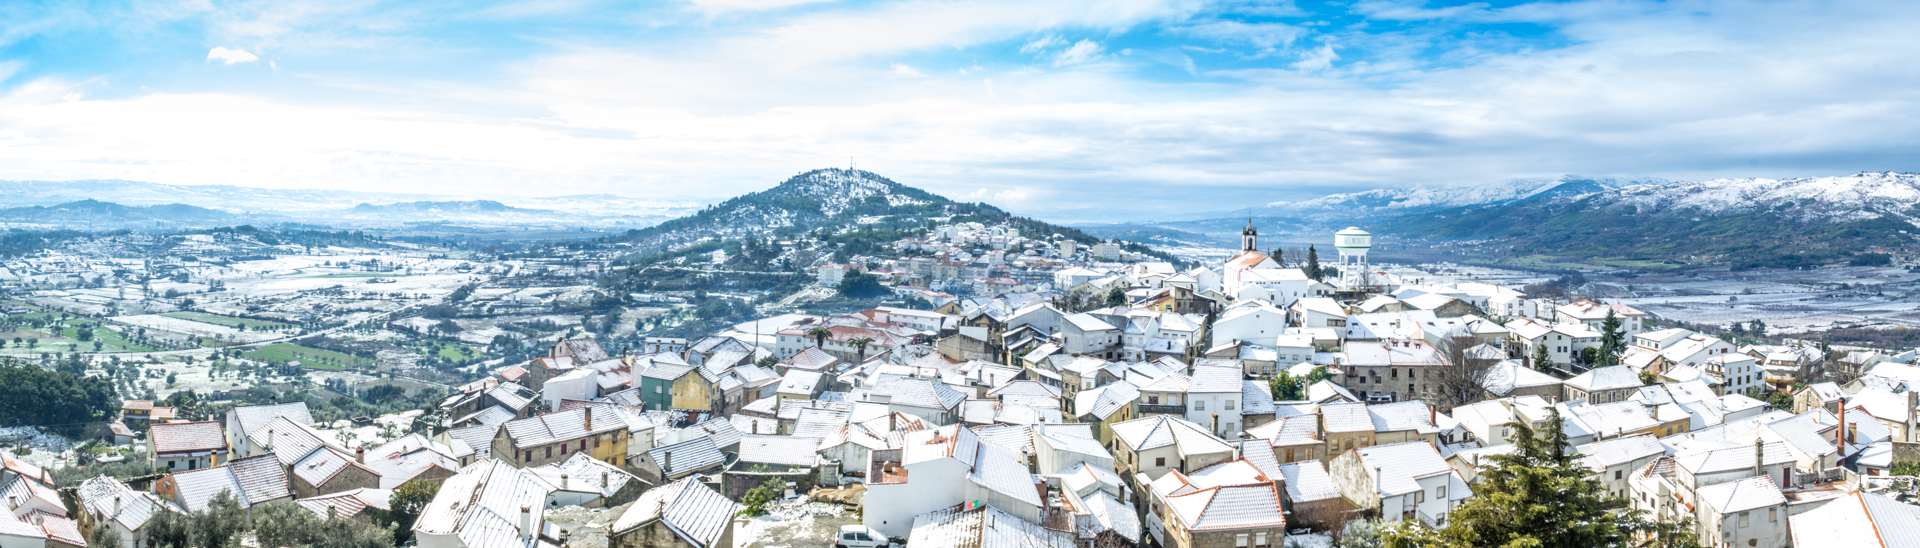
[795, 524]
[1315, 540]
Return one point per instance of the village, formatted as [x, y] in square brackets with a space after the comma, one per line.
[1025, 391]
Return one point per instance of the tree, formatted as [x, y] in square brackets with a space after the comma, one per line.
[294, 525]
[1117, 296]
[1459, 381]
[1539, 495]
[1667, 534]
[860, 344]
[861, 285]
[756, 500]
[104, 535]
[407, 502]
[1286, 388]
[1613, 341]
[223, 519]
[1757, 328]
[819, 335]
[171, 378]
[1313, 264]
[1542, 361]
[168, 530]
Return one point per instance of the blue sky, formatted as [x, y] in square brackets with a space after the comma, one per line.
[1073, 109]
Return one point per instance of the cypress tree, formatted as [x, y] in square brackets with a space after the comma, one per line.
[1541, 359]
[1313, 264]
[1613, 340]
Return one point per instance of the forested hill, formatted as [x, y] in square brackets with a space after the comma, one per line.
[1746, 223]
[828, 199]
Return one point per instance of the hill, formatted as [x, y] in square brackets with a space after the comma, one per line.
[1746, 223]
[831, 199]
[109, 213]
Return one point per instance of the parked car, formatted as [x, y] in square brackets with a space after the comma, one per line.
[860, 536]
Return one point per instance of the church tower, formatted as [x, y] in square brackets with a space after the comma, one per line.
[1249, 238]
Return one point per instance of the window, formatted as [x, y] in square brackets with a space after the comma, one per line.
[1229, 405]
[1419, 496]
[1199, 405]
[1743, 519]
[1260, 538]
[656, 389]
[1773, 514]
[1616, 474]
[1440, 492]
[1159, 461]
[1240, 540]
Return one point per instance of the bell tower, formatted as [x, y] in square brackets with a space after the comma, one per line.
[1249, 238]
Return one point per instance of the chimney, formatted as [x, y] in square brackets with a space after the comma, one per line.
[603, 480]
[1320, 426]
[1759, 456]
[1433, 415]
[666, 464]
[1216, 424]
[360, 454]
[1846, 432]
[563, 481]
[116, 505]
[526, 523]
[589, 425]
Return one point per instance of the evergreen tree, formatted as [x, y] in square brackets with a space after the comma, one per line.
[1117, 297]
[1279, 257]
[1313, 264]
[1613, 340]
[1286, 387]
[1539, 496]
[1542, 361]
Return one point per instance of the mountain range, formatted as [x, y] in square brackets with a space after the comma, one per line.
[1746, 223]
[344, 207]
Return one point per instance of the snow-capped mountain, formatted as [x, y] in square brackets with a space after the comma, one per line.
[1808, 199]
[818, 198]
[1748, 223]
[1396, 202]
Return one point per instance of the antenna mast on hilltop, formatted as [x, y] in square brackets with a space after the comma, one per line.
[849, 163]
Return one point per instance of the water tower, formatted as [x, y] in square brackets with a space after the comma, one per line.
[1353, 244]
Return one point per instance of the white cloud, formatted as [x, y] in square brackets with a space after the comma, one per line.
[1402, 10]
[1265, 36]
[748, 5]
[907, 71]
[1081, 52]
[231, 56]
[1320, 58]
[1042, 44]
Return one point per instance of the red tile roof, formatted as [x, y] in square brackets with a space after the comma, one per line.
[187, 437]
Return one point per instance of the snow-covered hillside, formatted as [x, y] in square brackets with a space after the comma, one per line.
[1404, 201]
[803, 202]
[1833, 199]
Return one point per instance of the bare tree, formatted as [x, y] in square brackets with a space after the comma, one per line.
[1458, 382]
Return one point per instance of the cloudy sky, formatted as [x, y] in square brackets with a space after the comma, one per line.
[1067, 109]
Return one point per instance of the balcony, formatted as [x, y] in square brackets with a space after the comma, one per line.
[1149, 409]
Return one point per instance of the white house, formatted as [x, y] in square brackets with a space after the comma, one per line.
[1404, 481]
[1213, 400]
[1593, 315]
[1251, 322]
